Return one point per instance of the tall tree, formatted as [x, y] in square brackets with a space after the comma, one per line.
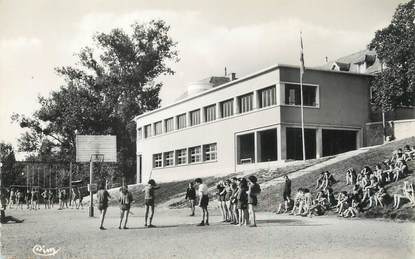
[11, 171]
[112, 82]
[395, 47]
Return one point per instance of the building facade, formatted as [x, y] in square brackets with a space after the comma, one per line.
[253, 122]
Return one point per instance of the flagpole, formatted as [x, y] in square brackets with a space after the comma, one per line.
[302, 70]
[302, 114]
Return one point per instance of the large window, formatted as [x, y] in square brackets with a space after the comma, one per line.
[246, 148]
[181, 121]
[158, 128]
[294, 143]
[210, 113]
[267, 148]
[169, 124]
[157, 160]
[209, 152]
[267, 97]
[181, 156]
[194, 117]
[245, 103]
[293, 97]
[147, 131]
[338, 141]
[168, 158]
[194, 154]
[226, 108]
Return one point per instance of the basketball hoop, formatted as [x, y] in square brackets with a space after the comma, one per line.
[97, 158]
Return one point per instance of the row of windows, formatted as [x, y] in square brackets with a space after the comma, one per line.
[245, 103]
[185, 156]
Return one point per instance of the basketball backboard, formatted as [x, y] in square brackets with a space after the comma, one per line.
[89, 146]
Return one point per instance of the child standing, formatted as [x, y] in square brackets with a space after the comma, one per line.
[221, 197]
[233, 202]
[149, 201]
[228, 200]
[191, 197]
[203, 201]
[125, 200]
[253, 190]
[243, 202]
[102, 199]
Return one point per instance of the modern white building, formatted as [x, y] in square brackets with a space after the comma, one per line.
[228, 125]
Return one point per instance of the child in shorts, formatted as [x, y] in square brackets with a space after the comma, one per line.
[221, 198]
[20, 199]
[243, 202]
[191, 197]
[233, 202]
[253, 190]
[203, 201]
[149, 201]
[125, 200]
[228, 194]
[102, 198]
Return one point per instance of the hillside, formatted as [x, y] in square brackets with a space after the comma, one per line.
[272, 196]
[172, 194]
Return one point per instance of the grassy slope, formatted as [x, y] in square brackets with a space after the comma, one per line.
[273, 195]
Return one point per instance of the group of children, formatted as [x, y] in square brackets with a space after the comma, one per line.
[34, 197]
[125, 201]
[368, 189]
[237, 200]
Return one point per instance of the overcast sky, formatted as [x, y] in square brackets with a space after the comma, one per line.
[244, 36]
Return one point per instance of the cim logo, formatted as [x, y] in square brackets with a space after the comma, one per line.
[41, 250]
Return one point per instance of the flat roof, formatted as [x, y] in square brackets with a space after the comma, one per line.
[262, 71]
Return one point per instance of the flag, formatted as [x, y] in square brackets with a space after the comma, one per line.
[302, 68]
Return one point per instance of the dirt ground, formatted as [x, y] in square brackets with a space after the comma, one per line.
[176, 235]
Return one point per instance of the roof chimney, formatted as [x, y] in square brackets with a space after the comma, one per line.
[232, 76]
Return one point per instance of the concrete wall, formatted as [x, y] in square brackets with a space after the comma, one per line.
[404, 129]
[399, 129]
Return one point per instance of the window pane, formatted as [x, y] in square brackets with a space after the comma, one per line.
[245, 103]
[181, 156]
[181, 121]
[195, 117]
[210, 113]
[157, 128]
[169, 158]
[140, 133]
[157, 161]
[227, 108]
[209, 152]
[194, 154]
[267, 97]
[169, 124]
[292, 95]
[147, 131]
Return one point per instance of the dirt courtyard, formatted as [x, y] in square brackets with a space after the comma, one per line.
[177, 235]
